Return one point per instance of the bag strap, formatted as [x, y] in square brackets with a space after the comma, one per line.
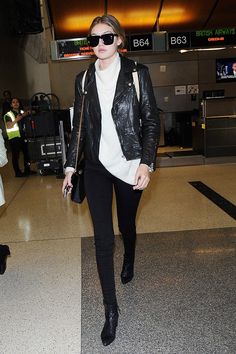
[81, 119]
[136, 82]
[83, 80]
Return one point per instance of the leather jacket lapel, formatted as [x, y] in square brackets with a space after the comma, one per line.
[91, 88]
[124, 80]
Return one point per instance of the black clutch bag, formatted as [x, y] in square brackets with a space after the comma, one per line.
[77, 180]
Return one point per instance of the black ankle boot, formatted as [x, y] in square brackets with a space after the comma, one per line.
[127, 272]
[4, 253]
[109, 330]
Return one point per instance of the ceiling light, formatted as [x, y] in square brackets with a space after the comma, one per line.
[200, 49]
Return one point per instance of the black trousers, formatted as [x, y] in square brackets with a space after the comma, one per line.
[19, 145]
[99, 191]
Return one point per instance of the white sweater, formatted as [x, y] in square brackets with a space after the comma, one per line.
[110, 152]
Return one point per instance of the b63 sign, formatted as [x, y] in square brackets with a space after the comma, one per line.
[179, 40]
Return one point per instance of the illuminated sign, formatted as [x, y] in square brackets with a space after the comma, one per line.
[74, 48]
[78, 48]
[202, 38]
[179, 40]
[140, 42]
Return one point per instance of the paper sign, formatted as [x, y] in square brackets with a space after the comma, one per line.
[180, 90]
[192, 89]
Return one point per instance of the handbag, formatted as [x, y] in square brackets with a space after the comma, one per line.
[77, 179]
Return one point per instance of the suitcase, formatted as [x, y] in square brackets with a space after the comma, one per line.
[41, 124]
[44, 148]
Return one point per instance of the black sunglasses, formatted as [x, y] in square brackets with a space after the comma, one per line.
[107, 39]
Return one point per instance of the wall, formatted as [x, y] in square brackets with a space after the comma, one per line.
[181, 69]
[24, 73]
[21, 71]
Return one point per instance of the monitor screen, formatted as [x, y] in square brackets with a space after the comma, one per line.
[226, 70]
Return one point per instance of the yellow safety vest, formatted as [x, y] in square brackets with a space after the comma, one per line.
[13, 132]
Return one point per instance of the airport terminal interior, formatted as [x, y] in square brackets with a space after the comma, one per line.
[182, 297]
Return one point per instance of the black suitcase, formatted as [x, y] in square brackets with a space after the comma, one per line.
[40, 124]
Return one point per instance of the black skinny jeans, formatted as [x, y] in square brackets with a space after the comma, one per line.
[99, 190]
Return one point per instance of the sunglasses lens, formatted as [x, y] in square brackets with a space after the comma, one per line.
[108, 38]
[93, 40]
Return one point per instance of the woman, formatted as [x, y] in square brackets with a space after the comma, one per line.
[4, 249]
[119, 140]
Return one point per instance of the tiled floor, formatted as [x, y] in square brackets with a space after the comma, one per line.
[181, 300]
[40, 291]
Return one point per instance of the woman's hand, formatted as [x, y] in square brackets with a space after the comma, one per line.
[142, 177]
[67, 183]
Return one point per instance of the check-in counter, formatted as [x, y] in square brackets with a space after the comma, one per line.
[214, 132]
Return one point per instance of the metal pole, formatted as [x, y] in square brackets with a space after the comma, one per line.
[105, 6]
[63, 145]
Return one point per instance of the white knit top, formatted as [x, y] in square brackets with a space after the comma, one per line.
[110, 153]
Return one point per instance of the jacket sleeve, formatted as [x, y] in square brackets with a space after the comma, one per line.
[72, 149]
[3, 151]
[150, 120]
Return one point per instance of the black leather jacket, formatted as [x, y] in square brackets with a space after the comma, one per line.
[137, 123]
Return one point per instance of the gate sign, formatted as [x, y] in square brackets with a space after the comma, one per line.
[179, 40]
[140, 42]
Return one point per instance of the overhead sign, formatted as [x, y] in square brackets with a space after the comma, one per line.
[71, 49]
[140, 42]
[202, 38]
[179, 40]
[78, 48]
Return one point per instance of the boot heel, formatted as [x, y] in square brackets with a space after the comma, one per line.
[127, 272]
[108, 334]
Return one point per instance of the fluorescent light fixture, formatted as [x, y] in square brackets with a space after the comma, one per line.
[200, 49]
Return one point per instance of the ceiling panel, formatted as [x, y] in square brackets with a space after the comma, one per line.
[178, 15]
[224, 15]
[72, 18]
[135, 16]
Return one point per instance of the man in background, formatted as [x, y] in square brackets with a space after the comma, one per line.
[6, 105]
[15, 134]
[232, 70]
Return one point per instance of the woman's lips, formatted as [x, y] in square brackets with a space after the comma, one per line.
[101, 50]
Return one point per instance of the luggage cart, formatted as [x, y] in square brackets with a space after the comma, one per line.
[43, 133]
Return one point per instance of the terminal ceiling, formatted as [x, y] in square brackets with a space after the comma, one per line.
[71, 19]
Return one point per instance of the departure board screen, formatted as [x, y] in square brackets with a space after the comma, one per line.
[74, 48]
[202, 38]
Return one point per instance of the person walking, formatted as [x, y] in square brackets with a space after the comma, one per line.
[4, 249]
[119, 140]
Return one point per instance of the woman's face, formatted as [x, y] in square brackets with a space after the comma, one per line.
[103, 51]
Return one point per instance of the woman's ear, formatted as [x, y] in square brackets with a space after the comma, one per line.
[119, 41]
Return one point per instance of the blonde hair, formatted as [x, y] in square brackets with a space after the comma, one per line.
[113, 23]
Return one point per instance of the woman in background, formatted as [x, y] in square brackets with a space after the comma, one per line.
[4, 249]
[119, 140]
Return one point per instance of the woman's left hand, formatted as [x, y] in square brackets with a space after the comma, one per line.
[142, 177]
